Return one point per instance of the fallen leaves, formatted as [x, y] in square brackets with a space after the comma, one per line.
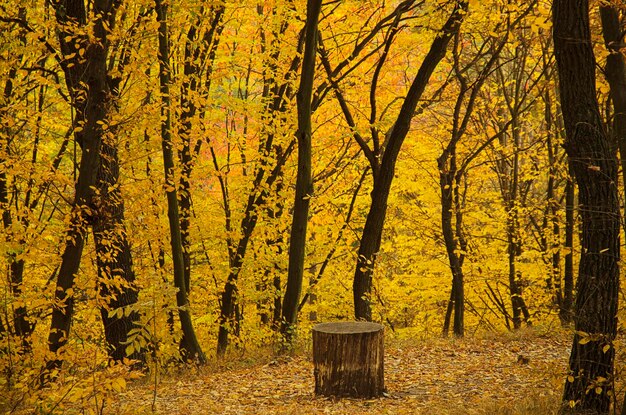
[425, 377]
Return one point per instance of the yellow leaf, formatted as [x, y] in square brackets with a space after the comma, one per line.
[118, 385]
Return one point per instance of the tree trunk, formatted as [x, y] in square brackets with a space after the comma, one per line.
[21, 326]
[447, 185]
[514, 288]
[368, 248]
[304, 180]
[116, 277]
[449, 310]
[551, 245]
[228, 301]
[189, 346]
[192, 71]
[383, 173]
[86, 79]
[277, 94]
[566, 312]
[513, 239]
[594, 162]
[615, 71]
[349, 359]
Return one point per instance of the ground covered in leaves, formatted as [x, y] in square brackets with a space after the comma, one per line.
[506, 374]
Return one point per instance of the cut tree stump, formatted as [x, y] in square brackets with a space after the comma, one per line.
[348, 359]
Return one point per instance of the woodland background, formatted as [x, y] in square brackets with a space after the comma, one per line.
[148, 163]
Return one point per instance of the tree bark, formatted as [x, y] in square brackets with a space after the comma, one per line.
[594, 162]
[277, 93]
[192, 71]
[189, 346]
[453, 241]
[21, 326]
[116, 277]
[615, 71]
[86, 79]
[514, 243]
[383, 173]
[304, 180]
[349, 359]
[566, 312]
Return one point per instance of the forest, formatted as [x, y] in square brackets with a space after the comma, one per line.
[188, 187]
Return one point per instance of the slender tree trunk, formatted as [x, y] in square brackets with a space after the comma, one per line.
[383, 173]
[304, 181]
[21, 326]
[515, 291]
[192, 72]
[189, 346]
[266, 175]
[450, 180]
[551, 234]
[449, 311]
[270, 289]
[594, 163]
[513, 235]
[449, 209]
[228, 302]
[271, 285]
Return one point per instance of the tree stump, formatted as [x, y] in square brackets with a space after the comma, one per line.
[348, 359]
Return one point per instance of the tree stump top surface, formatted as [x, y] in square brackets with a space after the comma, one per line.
[348, 327]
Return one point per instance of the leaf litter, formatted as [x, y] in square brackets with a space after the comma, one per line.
[422, 377]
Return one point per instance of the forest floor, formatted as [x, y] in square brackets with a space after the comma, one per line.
[519, 373]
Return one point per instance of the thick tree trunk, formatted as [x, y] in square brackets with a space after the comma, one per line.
[369, 247]
[349, 359]
[86, 79]
[116, 277]
[594, 162]
[615, 71]
[304, 180]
